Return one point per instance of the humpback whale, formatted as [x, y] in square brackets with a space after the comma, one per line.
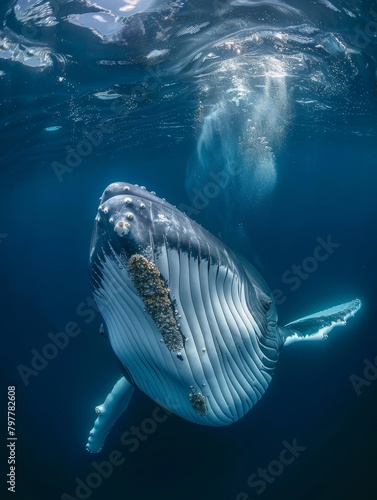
[193, 324]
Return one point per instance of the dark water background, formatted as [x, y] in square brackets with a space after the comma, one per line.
[191, 80]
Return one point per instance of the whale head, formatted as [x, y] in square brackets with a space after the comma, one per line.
[132, 220]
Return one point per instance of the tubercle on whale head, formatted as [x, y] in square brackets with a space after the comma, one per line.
[124, 202]
[128, 190]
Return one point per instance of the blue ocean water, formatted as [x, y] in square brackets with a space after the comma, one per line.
[259, 120]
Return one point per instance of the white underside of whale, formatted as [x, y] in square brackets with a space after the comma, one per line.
[222, 358]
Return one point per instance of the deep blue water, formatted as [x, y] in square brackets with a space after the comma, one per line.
[171, 95]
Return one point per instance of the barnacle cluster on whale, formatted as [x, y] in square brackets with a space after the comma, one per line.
[152, 266]
[155, 294]
[198, 402]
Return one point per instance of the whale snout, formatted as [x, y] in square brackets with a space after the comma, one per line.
[120, 212]
[127, 215]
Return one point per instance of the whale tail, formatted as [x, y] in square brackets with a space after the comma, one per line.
[317, 326]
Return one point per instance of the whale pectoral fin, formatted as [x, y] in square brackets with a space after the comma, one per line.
[317, 326]
[108, 413]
